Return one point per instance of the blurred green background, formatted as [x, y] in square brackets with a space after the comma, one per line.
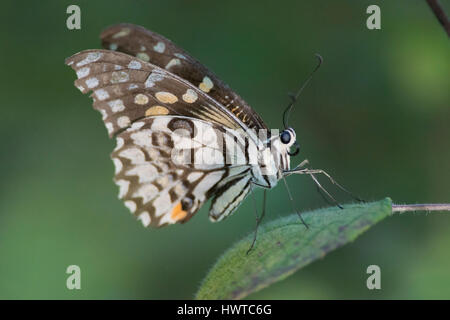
[376, 117]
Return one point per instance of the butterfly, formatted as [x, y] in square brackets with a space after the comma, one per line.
[156, 99]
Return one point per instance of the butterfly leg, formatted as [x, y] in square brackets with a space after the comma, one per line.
[319, 171]
[323, 196]
[301, 165]
[319, 186]
[258, 219]
[312, 172]
[292, 203]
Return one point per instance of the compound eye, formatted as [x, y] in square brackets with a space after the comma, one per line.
[285, 137]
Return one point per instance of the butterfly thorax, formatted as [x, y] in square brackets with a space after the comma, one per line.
[273, 159]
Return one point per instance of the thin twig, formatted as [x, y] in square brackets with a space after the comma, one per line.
[440, 14]
[421, 207]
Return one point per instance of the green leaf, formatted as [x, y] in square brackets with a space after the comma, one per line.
[284, 246]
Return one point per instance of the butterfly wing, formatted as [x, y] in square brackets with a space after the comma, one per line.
[156, 49]
[127, 89]
[142, 103]
[167, 166]
[229, 196]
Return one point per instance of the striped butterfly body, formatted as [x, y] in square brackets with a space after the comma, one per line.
[183, 136]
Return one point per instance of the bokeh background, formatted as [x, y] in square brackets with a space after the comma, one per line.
[376, 117]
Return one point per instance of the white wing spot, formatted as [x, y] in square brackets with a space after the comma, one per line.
[123, 121]
[131, 205]
[162, 204]
[166, 97]
[133, 86]
[104, 114]
[143, 56]
[152, 78]
[109, 127]
[159, 47]
[163, 181]
[179, 55]
[173, 62]
[190, 96]
[122, 33]
[119, 144]
[123, 187]
[135, 155]
[101, 94]
[141, 99]
[180, 190]
[119, 76]
[142, 138]
[146, 172]
[134, 65]
[117, 165]
[116, 105]
[83, 72]
[113, 46]
[91, 57]
[153, 153]
[146, 192]
[92, 83]
[194, 176]
[206, 85]
[136, 126]
[145, 218]
[206, 184]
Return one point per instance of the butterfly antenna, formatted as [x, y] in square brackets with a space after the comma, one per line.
[294, 98]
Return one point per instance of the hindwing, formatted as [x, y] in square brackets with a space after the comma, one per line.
[166, 167]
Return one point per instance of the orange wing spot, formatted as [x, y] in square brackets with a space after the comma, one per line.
[234, 109]
[178, 213]
[156, 111]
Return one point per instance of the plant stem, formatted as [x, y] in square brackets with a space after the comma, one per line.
[440, 14]
[421, 207]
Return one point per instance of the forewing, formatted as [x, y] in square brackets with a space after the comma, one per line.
[154, 48]
[126, 89]
[162, 185]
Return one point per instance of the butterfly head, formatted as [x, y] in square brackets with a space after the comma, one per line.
[288, 140]
[283, 146]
